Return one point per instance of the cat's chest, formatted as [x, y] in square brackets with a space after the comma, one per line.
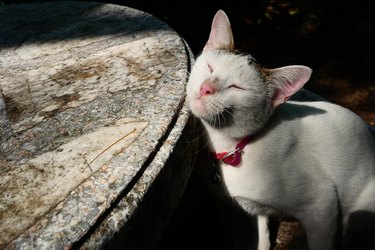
[255, 174]
[251, 179]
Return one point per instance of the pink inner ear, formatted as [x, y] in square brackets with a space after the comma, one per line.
[289, 80]
[221, 33]
[282, 95]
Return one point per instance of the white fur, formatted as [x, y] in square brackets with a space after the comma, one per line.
[305, 167]
[310, 160]
[264, 233]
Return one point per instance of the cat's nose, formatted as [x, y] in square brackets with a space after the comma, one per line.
[207, 89]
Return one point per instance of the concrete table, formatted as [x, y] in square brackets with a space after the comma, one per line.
[93, 126]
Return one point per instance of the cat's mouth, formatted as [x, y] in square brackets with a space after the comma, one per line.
[222, 120]
[217, 119]
[198, 108]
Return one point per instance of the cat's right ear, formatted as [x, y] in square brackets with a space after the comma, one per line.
[221, 36]
[287, 81]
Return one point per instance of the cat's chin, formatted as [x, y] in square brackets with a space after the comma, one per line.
[198, 109]
[231, 132]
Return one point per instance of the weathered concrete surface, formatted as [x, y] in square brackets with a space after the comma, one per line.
[92, 105]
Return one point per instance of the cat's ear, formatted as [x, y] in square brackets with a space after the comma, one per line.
[287, 81]
[221, 36]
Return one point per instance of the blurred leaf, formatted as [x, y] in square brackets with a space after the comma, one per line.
[293, 12]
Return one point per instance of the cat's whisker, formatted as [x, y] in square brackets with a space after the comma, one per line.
[222, 115]
[200, 134]
[217, 120]
[200, 149]
[231, 114]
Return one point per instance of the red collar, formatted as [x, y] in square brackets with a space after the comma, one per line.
[233, 157]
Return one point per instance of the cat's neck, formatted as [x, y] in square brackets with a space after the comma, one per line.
[220, 141]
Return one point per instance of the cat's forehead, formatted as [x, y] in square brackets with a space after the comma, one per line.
[227, 64]
[227, 57]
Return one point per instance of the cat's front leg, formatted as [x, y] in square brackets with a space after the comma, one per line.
[320, 221]
[263, 233]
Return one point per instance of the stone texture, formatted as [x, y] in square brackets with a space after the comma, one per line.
[92, 106]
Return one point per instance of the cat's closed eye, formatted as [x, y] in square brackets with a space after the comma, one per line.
[235, 86]
[210, 68]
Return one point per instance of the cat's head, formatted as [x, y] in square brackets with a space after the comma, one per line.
[229, 91]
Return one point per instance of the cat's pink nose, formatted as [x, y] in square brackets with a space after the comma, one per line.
[207, 89]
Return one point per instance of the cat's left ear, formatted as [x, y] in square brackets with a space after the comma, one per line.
[287, 81]
[221, 36]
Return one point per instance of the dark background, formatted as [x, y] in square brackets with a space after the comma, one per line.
[336, 38]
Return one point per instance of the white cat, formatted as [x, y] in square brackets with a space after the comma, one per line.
[314, 161]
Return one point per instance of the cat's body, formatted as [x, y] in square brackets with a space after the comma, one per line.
[296, 167]
[314, 161]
